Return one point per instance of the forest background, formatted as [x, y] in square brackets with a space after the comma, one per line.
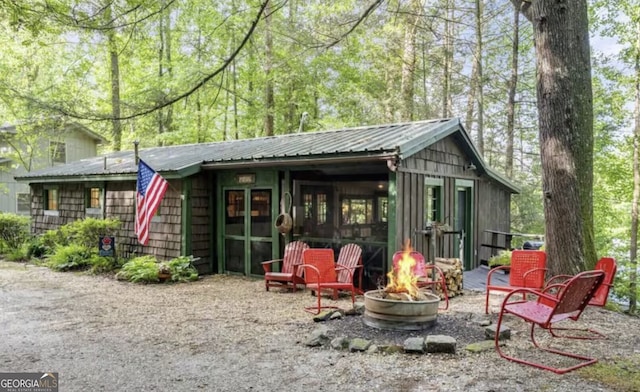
[177, 71]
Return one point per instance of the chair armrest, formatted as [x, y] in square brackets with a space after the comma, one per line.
[266, 265]
[558, 279]
[493, 270]
[534, 270]
[533, 292]
[303, 267]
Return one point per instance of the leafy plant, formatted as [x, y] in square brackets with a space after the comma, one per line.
[14, 231]
[139, 269]
[102, 264]
[502, 258]
[182, 270]
[70, 257]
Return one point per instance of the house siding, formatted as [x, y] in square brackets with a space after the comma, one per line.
[446, 161]
[201, 222]
[164, 231]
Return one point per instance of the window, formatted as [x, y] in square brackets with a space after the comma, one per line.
[357, 211]
[93, 198]
[24, 203]
[58, 152]
[432, 200]
[383, 208]
[51, 199]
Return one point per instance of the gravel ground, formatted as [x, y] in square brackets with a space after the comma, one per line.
[225, 333]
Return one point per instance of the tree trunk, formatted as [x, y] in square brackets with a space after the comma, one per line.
[565, 116]
[513, 84]
[633, 247]
[409, 60]
[116, 124]
[447, 62]
[479, 77]
[269, 103]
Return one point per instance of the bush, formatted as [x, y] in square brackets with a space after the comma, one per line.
[140, 269]
[102, 264]
[14, 231]
[35, 248]
[182, 270]
[502, 258]
[70, 257]
[85, 232]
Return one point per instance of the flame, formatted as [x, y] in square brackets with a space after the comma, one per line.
[402, 277]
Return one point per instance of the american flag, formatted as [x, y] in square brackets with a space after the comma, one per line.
[151, 188]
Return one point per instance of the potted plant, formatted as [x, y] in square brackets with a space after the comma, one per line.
[164, 272]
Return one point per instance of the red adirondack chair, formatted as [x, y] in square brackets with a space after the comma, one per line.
[429, 275]
[321, 273]
[290, 276]
[350, 257]
[527, 270]
[545, 310]
[609, 266]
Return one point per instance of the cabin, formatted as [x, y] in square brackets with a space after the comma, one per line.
[59, 147]
[380, 186]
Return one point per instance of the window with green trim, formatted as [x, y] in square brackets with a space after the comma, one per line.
[432, 200]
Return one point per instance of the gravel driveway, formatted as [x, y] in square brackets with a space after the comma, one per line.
[225, 333]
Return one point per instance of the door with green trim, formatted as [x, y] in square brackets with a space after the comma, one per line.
[248, 230]
[464, 212]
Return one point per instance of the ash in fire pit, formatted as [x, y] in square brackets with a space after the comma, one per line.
[401, 305]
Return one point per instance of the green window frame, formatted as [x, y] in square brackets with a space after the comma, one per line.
[93, 197]
[433, 199]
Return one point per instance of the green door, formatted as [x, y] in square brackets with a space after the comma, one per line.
[464, 222]
[248, 230]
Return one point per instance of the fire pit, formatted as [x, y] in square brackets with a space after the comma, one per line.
[401, 305]
[400, 314]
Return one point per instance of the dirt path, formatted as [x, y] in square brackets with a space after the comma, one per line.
[227, 334]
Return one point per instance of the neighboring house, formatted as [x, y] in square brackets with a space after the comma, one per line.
[73, 143]
[376, 186]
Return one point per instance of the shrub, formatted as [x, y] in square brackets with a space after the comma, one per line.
[87, 231]
[35, 248]
[70, 257]
[101, 264]
[14, 231]
[140, 269]
[182, 270]
[502, 258]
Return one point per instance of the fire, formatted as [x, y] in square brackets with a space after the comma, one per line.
[402, 277]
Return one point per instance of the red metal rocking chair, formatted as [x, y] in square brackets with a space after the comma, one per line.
[527, 270]
[350, 257]
[609, 266]
[546, 310]
[321, 273]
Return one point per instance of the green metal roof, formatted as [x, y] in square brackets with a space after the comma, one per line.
[375, 142]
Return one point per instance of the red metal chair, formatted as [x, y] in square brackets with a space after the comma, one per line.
[321, 273]
[290, 276]
[350, 257]
[545, 310]
[428, 275]
[527, 270]
[609, 267]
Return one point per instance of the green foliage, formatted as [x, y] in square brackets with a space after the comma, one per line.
[35, 248]
[14, 231]
[145, 269]
[69, 257]
[85, 232]
[101, 264]
[181, 269]
[502, 258]
[621, 374]
[140, 269]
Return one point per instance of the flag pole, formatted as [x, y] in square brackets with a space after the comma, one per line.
[135, 152]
